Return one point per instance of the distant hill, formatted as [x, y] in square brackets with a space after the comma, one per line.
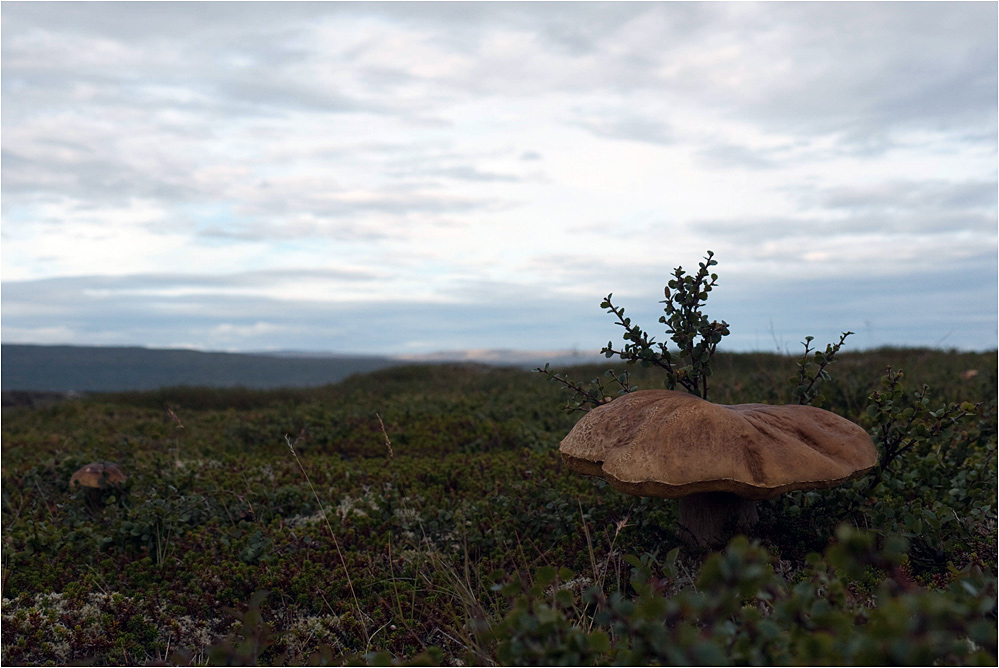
[61, 369]
[526, 359]
[99, 369]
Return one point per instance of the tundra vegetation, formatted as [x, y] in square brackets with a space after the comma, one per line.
[423, 515]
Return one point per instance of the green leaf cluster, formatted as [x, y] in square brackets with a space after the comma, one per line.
[689, 328]
[695, 336]
[812, 372]
[741, 612]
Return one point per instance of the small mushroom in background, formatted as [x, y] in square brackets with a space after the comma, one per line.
[98, 476]
[717, 460]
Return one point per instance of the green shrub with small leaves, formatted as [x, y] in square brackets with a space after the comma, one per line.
[740, 611]
[812, 371]
[695, 336]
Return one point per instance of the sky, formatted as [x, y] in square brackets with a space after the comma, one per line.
[408, 178]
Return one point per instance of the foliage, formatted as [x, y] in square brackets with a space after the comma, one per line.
[594, 395]
[741, 612]
[903, 424]
[469, 541]
[695, 336]
[812, 371]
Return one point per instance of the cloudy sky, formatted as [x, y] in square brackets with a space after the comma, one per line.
[409, 178]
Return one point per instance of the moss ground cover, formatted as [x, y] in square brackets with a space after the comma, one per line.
[438, 525]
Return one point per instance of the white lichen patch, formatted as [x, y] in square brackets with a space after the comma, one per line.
[307, 633]
[189, 633]
[407, 517]
[71, 628]
[305, 520]
[358, 506]
[197, 464]
[577, 584]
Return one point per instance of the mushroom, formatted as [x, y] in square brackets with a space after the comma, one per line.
[98, 475]
[717, 460]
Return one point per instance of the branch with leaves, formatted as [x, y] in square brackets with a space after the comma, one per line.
[695, 336]
[590, 397]
[812, 371]
[900, 425]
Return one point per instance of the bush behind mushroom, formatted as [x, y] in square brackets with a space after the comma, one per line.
[636, 443]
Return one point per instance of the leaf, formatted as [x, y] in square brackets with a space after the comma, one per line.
[598, 642]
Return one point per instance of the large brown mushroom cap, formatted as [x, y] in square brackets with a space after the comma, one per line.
[98, 475]
[671, 444]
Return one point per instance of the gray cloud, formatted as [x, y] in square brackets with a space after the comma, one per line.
[935, 195]
[831, 69]
[937, 307]
[434, 164]
[922, 308]
[627, 126]
[867, 74]
[109, 311]
[351, 122]
[470, 173]
[800, 69]
[725, 154]
[906, 208]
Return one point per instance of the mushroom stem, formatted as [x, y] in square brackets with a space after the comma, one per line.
[709, 519]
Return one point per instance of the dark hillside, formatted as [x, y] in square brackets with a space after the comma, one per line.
[92, 369]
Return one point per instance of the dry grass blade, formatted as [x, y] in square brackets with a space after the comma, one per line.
[388, 443]
[589, 543]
